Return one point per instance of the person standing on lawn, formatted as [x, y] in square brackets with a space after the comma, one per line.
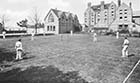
[125, 47]
[3, 34]
[32, 35]
[117, 35]
[94, 37]
[18, 47]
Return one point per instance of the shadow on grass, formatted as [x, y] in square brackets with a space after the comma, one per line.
[48, 74]
[6, 55]
[9, 56]
[131, 55]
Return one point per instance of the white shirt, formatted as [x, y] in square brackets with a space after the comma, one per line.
[94, 34]
[18, 45]
[126, 42]
[32, 33]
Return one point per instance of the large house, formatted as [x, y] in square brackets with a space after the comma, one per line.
[57, 22]
[110, 16]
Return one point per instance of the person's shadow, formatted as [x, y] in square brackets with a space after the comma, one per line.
[131, 55]
[25, 56]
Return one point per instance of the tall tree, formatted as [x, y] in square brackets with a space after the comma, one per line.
[35, 18]
[4, 19]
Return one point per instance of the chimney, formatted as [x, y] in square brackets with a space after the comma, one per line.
[89, 4]
[119, 2]
[55, 8]
[130, 4]
[102, 5]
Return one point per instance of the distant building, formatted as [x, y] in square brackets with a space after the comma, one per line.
[31, 28]
[57, 22]
[100, 16]
[110, 16]
[136, 17]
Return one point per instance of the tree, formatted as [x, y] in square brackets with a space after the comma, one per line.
[35, 18]
[23, 23]
[4, 19]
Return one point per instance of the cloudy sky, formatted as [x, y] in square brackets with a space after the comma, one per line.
[17, 10]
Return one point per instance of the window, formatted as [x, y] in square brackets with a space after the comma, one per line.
[92, 19]
[53, 28]
[120, 26]
[85, 19]
[98, 19]
[125, 13]
[105, 19]
[134, 25]
[51, 18]
[112, 14]
[126, 26]
[92, 14]
[125, 10]
[112, 7]
[48, 28]
[120, 17]
[120, 12]
[125, 17]
[112, 11]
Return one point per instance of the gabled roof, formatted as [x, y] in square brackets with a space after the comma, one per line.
[58, 13]
[98, 7]
[124, 4]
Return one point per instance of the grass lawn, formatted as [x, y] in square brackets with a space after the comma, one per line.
[97, 62]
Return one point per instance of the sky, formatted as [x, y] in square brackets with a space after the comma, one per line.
[16, 10]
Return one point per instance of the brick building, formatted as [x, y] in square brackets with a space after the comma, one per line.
[109, 16]
[57, 22]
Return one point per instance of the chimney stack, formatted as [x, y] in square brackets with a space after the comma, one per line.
[119, 2]
[89, 4]
[102, 5]
[130, 4]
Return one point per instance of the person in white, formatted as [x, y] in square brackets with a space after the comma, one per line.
[3, 34]
[94, 37]
[125, 47]
[117, 35]
[18, 47]
[32, 35]
[71, 32]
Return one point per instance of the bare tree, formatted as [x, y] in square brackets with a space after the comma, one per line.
[4, 19]
[35, 18]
